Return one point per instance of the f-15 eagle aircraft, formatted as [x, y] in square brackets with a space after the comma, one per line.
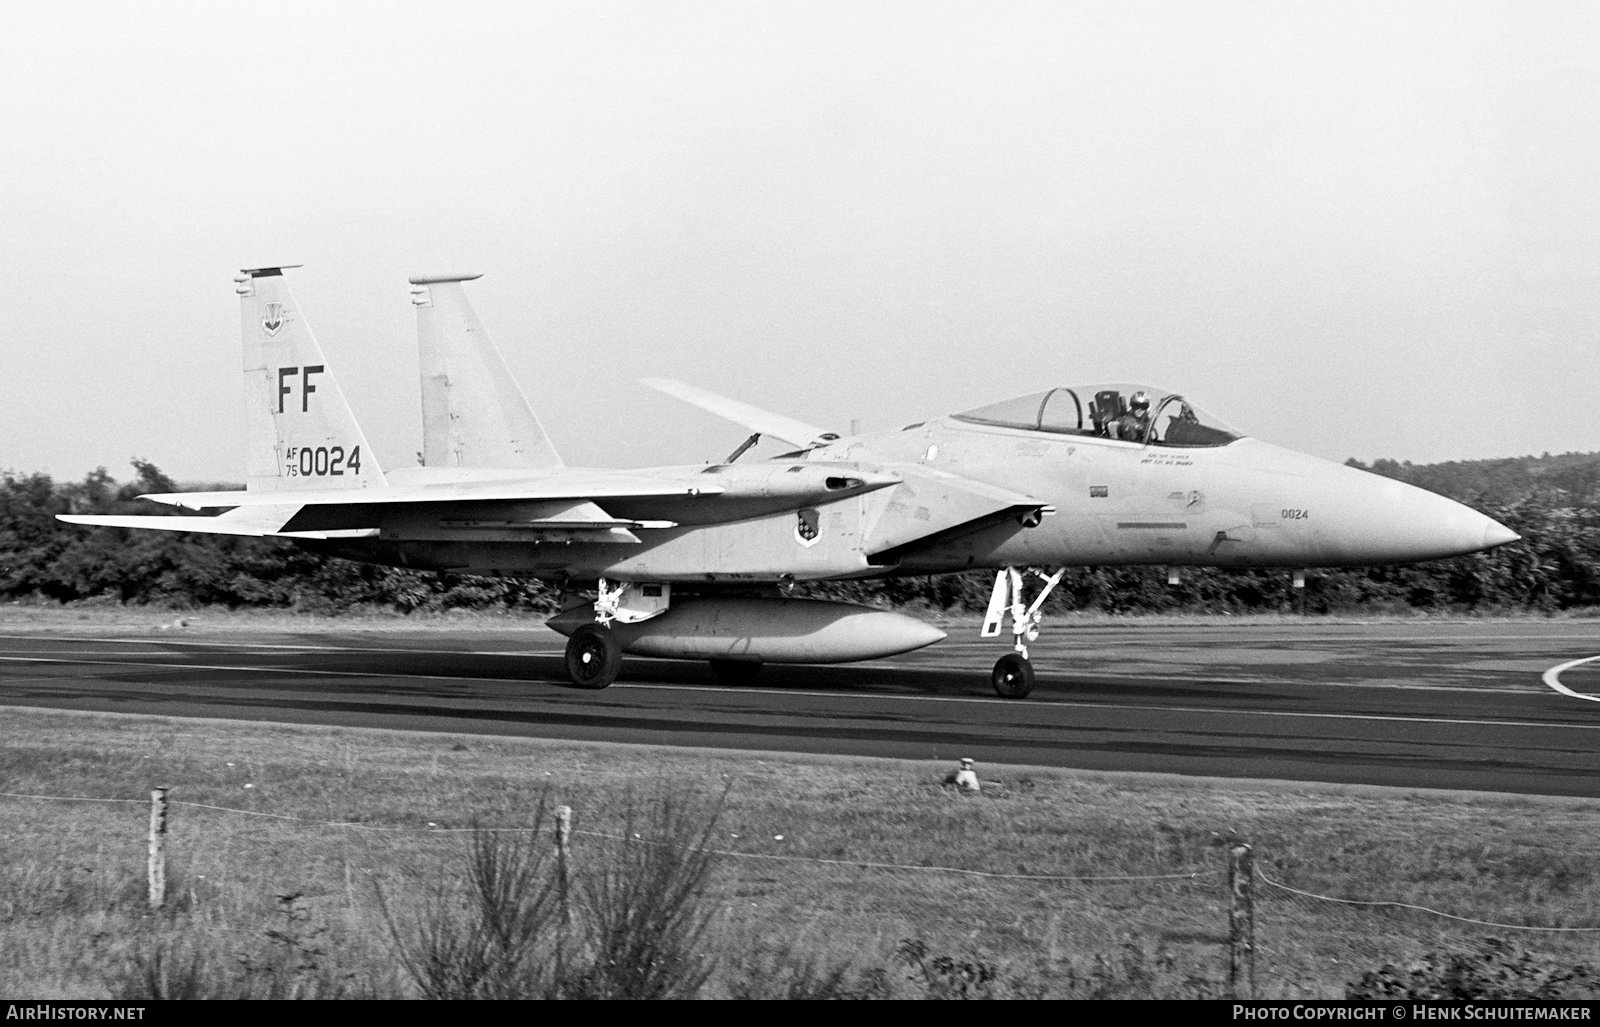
[698, 562]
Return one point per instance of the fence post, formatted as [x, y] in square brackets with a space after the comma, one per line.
[564, 859]
[157, 865]
[1241, 922]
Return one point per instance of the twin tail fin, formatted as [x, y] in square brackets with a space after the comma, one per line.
[302, 433]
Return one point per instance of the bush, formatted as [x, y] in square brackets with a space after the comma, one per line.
[175, 960]
[946, 977]
[633, 925]
[483, 939]
[783, 973]
[642, 911]
[1497, 969]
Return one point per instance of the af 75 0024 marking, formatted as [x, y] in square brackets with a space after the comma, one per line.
[320, 461]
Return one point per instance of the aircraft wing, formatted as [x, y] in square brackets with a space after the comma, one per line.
[465, 505]
[517, 521]
[568, 521]
[930, 507]
[762, 422]
[564, 485]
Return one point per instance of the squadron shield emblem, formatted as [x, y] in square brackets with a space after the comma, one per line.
[272, 317]
[806, 528]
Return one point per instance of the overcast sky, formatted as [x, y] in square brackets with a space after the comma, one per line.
[1354, 229]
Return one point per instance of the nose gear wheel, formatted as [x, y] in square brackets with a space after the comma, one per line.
[1012, 676]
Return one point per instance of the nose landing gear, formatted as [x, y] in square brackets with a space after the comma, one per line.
[1012, 676]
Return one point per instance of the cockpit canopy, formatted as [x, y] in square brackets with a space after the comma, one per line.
[1104, 411]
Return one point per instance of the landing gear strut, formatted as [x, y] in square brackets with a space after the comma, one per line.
[593, 656]
[1012, 676]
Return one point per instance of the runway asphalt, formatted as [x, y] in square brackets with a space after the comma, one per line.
[1459, 704]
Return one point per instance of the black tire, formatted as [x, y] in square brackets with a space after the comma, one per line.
[735, 672]
[593, 656]
[1012, 676]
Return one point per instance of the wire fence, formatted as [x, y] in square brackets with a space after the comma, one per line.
[1392, 904]
[434, 829]
[1193, 876]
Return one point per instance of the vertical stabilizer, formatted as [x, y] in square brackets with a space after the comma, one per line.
[473, 413]
[302, 433]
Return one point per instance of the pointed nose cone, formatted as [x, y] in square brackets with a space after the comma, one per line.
[1329, 515]
[1386, 521]
[1497, 534]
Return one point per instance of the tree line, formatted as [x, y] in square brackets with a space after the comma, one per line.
[1552, 501]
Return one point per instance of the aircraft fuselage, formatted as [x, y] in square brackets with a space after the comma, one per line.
[1090, 501]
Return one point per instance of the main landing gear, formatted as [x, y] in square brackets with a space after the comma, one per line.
[594, 653]
[1012, 676]
[593, 656]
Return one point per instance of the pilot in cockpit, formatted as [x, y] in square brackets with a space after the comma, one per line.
[1134, 425]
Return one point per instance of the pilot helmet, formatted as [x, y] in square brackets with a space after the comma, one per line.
[1139, 401]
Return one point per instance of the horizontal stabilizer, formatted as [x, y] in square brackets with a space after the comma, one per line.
[928, 508]
[762, 422]
[253, 522]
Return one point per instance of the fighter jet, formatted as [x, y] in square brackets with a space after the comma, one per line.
[701, 561]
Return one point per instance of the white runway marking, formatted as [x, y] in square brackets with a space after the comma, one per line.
[1552, 677]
